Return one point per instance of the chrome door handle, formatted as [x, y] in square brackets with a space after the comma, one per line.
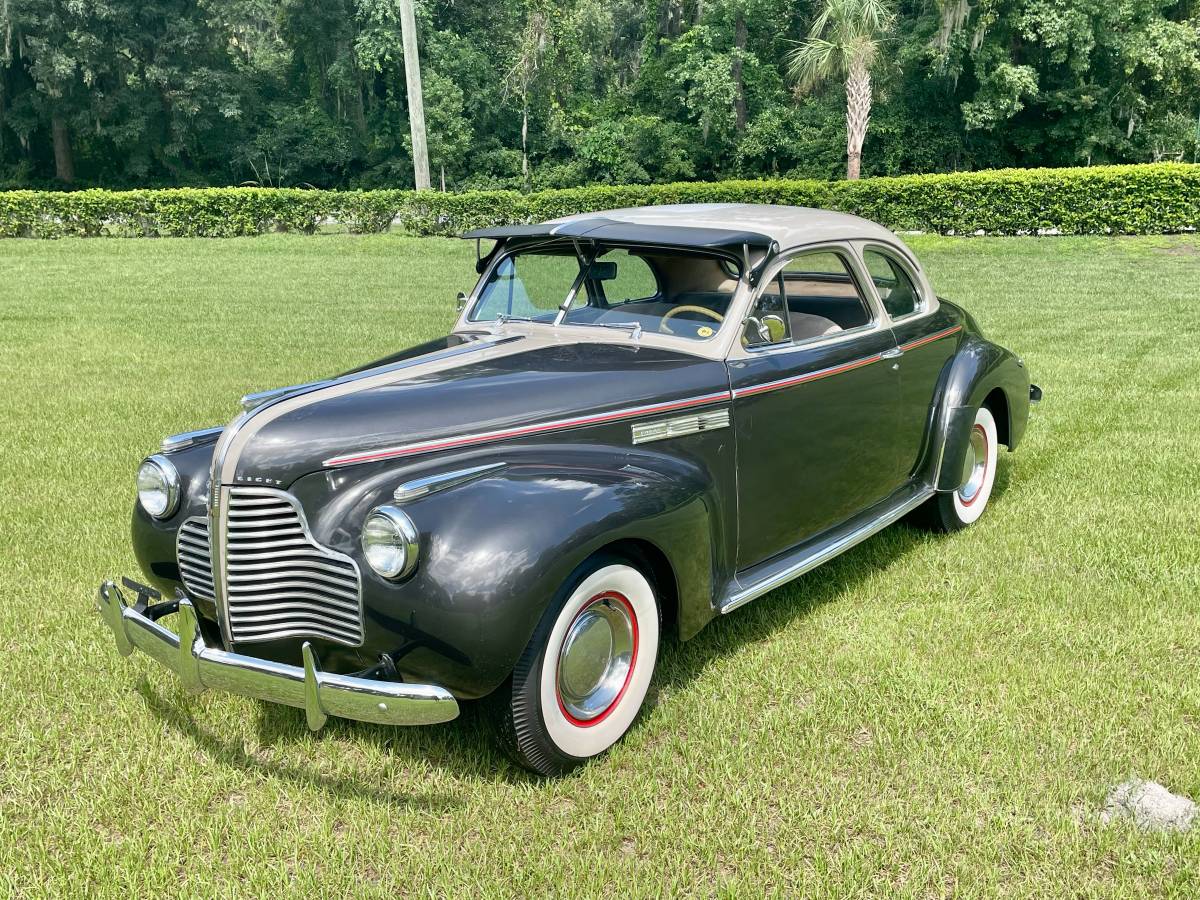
[894, 353]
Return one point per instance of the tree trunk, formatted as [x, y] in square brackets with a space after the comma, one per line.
[525, 141]
[64, 159]
[416, 102]
[670, 19]
[739, 95]
[858, 115]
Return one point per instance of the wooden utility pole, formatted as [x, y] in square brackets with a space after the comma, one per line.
[416, 103]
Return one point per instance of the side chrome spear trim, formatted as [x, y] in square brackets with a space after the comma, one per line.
[431, 484]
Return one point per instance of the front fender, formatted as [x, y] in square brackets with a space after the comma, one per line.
[496, 551]
[978, 368]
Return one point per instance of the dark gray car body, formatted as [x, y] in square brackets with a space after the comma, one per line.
[824, 442]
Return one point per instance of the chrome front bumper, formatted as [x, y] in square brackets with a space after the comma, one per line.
[319, 694]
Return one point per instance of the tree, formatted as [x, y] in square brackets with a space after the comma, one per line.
[844, 42]
[416, 101]
[527, 94]
[521, 77]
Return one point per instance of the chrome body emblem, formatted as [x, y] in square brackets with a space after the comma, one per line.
[257, 479]
[663, 429]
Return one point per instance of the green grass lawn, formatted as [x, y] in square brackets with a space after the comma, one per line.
[924, 716]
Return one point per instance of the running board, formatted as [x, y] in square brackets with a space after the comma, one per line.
[765, 577]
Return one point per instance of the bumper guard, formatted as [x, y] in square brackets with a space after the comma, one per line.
[319, 694]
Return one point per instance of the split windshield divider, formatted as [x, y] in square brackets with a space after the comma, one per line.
[585, 266]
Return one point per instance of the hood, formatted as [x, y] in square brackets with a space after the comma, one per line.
[498, 392]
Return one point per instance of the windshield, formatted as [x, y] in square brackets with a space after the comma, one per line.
[674, 292]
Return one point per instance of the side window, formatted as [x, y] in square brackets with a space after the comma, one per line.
[822, 297]
[624, 277]
[897, 291]
[768, 322]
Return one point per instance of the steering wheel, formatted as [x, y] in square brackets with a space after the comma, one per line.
[676, 310]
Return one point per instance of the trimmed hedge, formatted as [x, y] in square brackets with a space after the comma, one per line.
[193, 212]
[1141, 199]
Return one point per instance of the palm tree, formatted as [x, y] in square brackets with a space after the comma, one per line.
[844, 41]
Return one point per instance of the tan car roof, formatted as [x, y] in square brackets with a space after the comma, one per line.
[789, 226]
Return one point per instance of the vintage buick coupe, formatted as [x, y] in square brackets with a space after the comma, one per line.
[642, 420]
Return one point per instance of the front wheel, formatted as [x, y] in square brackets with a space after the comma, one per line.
[958, 509]
[580, 683]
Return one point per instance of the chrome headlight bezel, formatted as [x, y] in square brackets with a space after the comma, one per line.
[389, 528]
[158, 466]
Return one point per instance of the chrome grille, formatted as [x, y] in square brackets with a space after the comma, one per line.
[195, 558]
[279, 582]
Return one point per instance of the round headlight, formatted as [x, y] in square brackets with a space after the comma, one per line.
[389, 542]
[158, 486]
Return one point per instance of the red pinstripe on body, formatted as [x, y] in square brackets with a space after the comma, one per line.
[524, 430]
[617, 415]
[810, 376]
[929, 339]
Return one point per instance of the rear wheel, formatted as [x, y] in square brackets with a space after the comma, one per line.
[958, 509]
[580, 683]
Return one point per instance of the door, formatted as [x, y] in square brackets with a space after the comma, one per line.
[815, 389]
[927, 342]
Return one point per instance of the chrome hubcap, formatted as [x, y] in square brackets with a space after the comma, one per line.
[975, 466]
[596, 657]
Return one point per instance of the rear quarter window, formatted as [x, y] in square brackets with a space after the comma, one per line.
[896, 289]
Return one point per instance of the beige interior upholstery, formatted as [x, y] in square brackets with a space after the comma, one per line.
[691, 275]
[805, 326]
[797, 287]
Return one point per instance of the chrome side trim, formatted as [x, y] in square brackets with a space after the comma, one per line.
[431, 484]
[484, 437]
[190, 438]
[645, 432]
[319, 694]
[930, 338]
[794, 380]
[824, 552]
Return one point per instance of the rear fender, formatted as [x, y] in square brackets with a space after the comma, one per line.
[978, 368]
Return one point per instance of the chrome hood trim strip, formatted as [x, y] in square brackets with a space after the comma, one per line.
[243, 428]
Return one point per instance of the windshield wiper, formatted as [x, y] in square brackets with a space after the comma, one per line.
[634, 328]
[504, 318]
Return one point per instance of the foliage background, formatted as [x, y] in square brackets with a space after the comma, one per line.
[125, 93]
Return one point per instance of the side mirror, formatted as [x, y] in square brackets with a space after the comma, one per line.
[770, 329]
[460, 302]
[776, 328]
[761, 330]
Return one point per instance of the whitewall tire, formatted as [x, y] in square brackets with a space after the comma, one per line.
[582, 679]
[979, 469]
[957, 509]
